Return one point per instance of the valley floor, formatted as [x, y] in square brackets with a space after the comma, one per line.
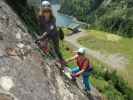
[110, 49]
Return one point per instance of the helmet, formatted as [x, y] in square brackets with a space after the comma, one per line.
[46, 4]
[81, 50]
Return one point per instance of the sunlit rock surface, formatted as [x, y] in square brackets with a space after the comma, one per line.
[24, 75]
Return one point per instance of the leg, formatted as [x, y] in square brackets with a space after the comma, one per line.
[45, 46]
[56, 48]
[86, 81]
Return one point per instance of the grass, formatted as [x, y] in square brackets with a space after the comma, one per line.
[97, 81]
[67, 31]
[100, 83]
[67, 52]
[109, 43]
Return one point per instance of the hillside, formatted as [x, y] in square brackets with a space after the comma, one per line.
[109, 15]
[24, 74]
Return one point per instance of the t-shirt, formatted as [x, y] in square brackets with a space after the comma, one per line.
[83, 63]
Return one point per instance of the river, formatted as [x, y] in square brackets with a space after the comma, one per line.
[61, 19]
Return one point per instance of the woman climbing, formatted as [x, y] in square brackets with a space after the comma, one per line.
[48, 27]
[84, 68]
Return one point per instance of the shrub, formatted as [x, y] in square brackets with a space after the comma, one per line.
[118, 88]
[113, 94]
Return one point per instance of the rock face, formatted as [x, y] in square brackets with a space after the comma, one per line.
[24, 74]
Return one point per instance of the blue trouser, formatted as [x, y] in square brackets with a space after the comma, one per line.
[85, 76]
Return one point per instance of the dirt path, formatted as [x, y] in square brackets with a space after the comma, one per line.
[114, 60]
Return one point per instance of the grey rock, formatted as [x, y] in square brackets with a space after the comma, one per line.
[33, 80]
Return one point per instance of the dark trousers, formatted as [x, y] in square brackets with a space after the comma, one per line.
[55, 43]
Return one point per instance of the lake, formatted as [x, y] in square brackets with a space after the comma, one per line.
[61, 19]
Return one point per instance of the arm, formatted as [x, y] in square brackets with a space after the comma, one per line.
[52, 26]
[80, 72]
[42, 36]
[70, 59]
[41, 27]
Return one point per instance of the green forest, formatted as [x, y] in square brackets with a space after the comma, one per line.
[108, 15]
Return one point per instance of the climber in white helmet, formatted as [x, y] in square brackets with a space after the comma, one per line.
[47, 23]
[83, 68]
[46, 4]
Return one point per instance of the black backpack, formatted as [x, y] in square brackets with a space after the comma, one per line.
[61, 34]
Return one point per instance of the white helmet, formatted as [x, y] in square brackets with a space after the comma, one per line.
[46, 4]
[81, 50]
